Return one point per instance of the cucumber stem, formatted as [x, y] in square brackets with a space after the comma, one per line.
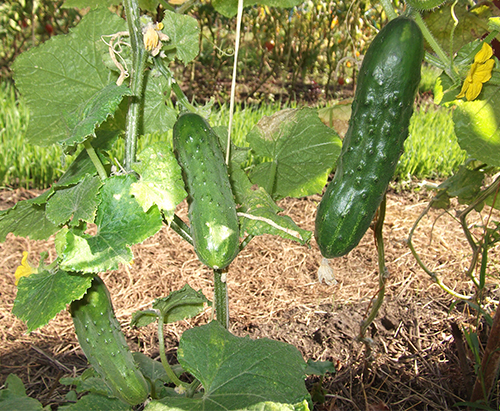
[389, 9]
[95, 160]
[220, 299]
[163, 355]
[181, 228]
[181, 97]
[383, 274]
[139, 57]
[447, 61]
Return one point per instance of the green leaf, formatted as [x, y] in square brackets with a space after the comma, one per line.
[83, 165]
[477, 128]
[178, 305]
[239, 373]
[28, 219]
[465, 184]
[57, 76]
[93, 112]
[320, 367]
[78, 202]
[153, 370]
[161, 179]
[121, 222]
[441, 23]
[184, 33]
[41, 296]
[95, 402]
[89, 381]
[158, 117]
[301, 150]
[229, 8]
[259, 213]
[262, 218]
[13, 397]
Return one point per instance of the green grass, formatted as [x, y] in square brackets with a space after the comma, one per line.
[22, 164]
[431, 151]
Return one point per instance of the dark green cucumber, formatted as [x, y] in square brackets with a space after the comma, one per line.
[102, 340]
[212, 209]
[381, 112]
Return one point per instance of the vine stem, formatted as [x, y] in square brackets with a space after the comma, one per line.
[95, 160]
[444, 59]
[389, 9]
[163, 355]
[220, 298]
[139, 56]
[383, 273]
[433, 275]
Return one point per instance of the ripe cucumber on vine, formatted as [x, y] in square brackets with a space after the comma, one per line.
[381, 112]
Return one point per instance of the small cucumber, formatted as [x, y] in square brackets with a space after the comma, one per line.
[102, 340]
[212, 209]
[381, 112]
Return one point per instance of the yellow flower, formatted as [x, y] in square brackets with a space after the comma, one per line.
[25, 269]
[479, 73]
[153, 36]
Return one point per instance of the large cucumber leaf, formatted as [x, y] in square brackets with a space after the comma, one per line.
[258, 212]
[238, 373]
[78, 203]
[477, 125]
[41, 296]
[65, 83]
[121, 223]
[28, 219]
[298, 153]
[161, 179]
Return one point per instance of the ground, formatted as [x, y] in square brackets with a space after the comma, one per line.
[412, 362]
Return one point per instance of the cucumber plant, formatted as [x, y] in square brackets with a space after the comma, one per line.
[116, 86]
[119, 78]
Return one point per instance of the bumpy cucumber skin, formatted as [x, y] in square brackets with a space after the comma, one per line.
[102, 340]
[212, 209]
[381, 112]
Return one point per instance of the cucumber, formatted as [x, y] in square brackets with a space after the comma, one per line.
[381, 112]
[212, 209]
[102, 340]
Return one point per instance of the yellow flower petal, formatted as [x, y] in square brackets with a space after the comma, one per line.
[151, 38]
[483, 71]
[473, 91]
[484, 54]
[479, 73]
[25, 269]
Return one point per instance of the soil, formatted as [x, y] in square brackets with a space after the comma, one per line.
[410, 362]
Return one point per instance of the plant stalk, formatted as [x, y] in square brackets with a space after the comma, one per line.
[95, 160]
[220, 298]
[139, 56]
[389, 9]
[163, 355]
[383, 272]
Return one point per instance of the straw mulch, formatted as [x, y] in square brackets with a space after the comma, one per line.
[274, 292]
